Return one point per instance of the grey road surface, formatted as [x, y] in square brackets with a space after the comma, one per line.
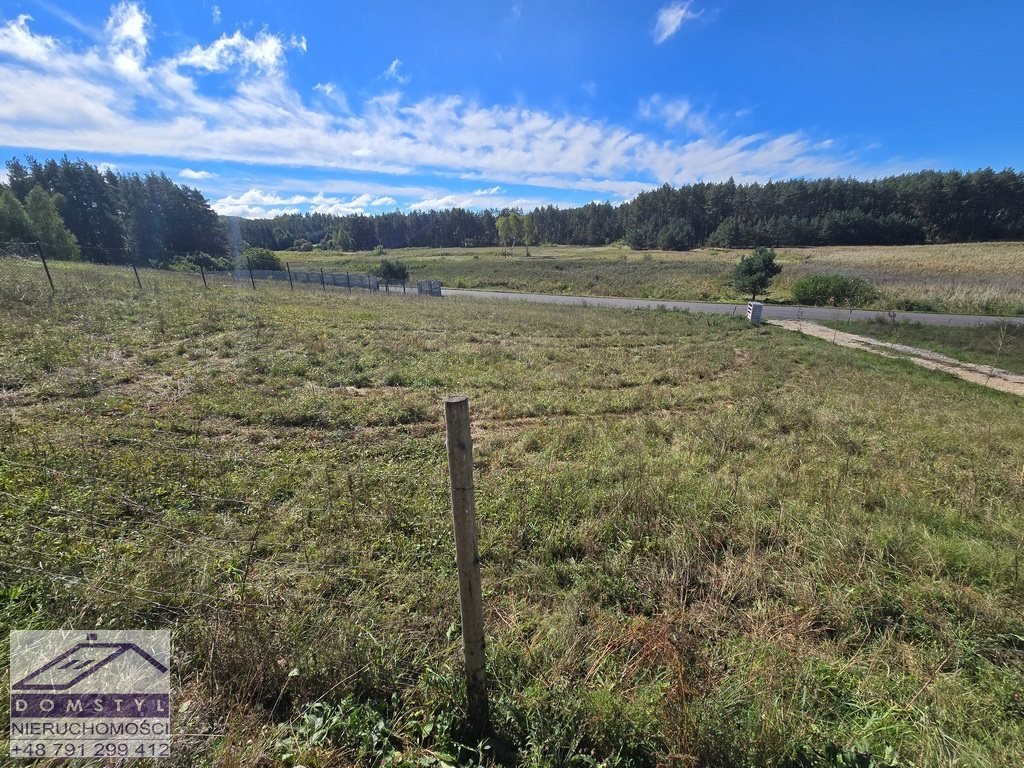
[770, 312]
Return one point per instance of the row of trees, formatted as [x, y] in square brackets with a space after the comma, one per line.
[923, 207]
[115, 217]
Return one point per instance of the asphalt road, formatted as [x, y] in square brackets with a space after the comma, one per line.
[770, 312]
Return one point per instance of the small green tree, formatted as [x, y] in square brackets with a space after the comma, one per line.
[14, 222]
[529, 232]
[517, 226]
[754, 273]
[504, 227]
[392, 270]
[54, 238]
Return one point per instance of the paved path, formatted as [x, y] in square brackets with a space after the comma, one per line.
[771, 311]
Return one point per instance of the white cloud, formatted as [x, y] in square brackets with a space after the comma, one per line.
[392, 73]
[257, 203]
[265, 52]
[126, 28]
[18, 41]
[455, 200]
[164, 107]
[3, 176]
[188, 173]
[104, 167]
[488, 191]
[670, 19]
[331, 92]
[215, 14]
[675, 113]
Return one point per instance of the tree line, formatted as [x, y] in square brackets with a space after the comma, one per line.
[116, 217]
[925, 207]
[110, 217]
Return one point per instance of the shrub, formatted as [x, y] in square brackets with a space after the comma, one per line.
[262, 258]
[833, 290]
[190, 262]
[392, 270]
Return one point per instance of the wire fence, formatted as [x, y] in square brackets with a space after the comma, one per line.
[25, 273]
[191, 500]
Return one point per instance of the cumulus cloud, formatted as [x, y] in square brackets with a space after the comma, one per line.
[455, 200]
[188, 173]
[17, 40]
[127, 28]
[265, 52]
[670, 19]
[257, 203]
[230, 100]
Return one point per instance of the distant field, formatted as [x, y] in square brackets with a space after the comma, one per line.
[702, 544]
[994, 345]
[983, 278]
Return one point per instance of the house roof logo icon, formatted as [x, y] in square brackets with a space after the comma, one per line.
[79, 662]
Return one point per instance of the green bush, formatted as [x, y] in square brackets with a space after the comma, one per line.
[391, 270]
[190, 262]
[833, 291]
[262, 258]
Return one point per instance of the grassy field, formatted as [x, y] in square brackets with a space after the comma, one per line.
[1000, 346]
[702, 544]
[984, 278]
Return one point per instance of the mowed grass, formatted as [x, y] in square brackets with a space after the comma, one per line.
[998, 345]
[982, 278]
[701, 543]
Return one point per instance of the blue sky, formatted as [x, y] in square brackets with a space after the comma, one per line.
[270, 107]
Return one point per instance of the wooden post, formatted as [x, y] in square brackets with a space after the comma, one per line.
[387, 286]
[136, 271]
[369, 285]
[289, 268]
[202, 274]
[348, 282]
[322, 283]
[467, 560]
[403, 287]
[46, 269]
[252, 279]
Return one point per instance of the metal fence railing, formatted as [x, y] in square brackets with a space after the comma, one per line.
[26, 273]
